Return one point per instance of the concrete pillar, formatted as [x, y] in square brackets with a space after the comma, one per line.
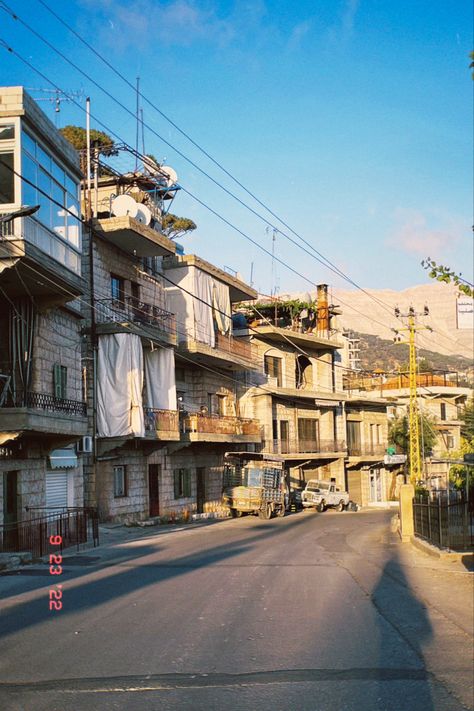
[407, 492]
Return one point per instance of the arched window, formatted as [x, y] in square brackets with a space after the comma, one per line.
[303, 372]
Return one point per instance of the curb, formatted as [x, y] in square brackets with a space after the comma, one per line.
[440, 553]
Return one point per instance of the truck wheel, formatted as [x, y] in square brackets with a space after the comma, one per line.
[265, 512]
[341, 505]
[281, 511]
[235, 513]
[321, 507]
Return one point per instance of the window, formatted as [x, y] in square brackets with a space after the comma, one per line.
[221, 405]
[443, 410]
[353, 437]
[7, 191]
[182, 483]
[60, 381]
[272, 366]
[7, 133]
[450, 441]
[117, 288]
[120, 482]
[56, 192]
[308, 434]
[285, 436]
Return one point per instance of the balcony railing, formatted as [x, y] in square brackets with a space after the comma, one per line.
[44, 401]
[303, 446]
[359, 450]
[235, 346]
[402, 380]
[74, 526]
[138, 312]
[161, 420]
[216, 424]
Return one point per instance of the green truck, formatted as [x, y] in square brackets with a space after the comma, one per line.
[254, 483]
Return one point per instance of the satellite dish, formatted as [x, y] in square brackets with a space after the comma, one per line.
[170, 174]
[124, 205]
[143, 214]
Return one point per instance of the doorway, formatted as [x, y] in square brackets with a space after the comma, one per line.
[200, 489]
[10, 510]
[154, 473]
[375, 485]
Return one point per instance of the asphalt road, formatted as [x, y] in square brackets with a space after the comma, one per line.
[311, 612]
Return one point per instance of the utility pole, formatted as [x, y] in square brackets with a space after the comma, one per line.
[413, 413]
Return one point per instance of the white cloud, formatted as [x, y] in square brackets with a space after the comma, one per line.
[298, 33]
[415, 233]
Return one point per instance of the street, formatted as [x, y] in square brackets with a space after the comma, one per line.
[308, 612]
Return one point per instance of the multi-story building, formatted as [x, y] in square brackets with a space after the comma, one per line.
[161, 358]
[298, 396]
[42, 408]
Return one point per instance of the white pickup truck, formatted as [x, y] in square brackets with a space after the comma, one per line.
[321, 494]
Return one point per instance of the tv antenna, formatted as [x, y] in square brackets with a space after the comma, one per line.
[56, 97]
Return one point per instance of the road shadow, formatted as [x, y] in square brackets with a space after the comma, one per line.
[398, 606]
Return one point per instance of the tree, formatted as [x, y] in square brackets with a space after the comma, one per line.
[174, 226]
[77, 137]
[447, 275]
[467, 417]
[399, 433]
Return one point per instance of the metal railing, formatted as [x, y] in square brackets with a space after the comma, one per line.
[138, 312]
[75, 526]
[235, 346]
[161, 420]
[304, 446]
[402, 380]
[443, 521]
[359, 450]
[44, 401]
[217, 424]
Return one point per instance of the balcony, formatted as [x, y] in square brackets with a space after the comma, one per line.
[129, 315]
[46, 266]
[230, 352]
[41, 412]
[133, 237]
[161, 424]
[401, 381]
[366, 450]
[199, 427]
[308, 449]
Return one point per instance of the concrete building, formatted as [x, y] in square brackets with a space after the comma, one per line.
[42, 399]
[298, 396]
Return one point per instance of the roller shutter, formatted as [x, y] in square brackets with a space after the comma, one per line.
[56, 488]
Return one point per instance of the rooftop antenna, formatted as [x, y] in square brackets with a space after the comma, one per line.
[138, 124]
[273, 287]
[57, 96]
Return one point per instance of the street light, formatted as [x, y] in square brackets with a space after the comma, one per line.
[24, 211]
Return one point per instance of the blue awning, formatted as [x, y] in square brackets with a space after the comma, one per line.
[62, 458]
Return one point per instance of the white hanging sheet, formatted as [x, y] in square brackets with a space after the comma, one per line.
[221, 306]
[160, 379]
[203, 321]
[181, 301]
[119, 386]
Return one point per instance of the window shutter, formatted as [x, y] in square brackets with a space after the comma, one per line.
[176, 483]
[57, 380]
[187, 483]
[63, 381]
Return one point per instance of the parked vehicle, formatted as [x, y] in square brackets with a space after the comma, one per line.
[254, 484]
[322, 494]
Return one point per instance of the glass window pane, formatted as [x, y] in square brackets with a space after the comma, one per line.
[57, 172]
[72, 186]
[28, 143]
[44, 185]
[7, 190]
[43, 158]
[7, 132]
[57, 209]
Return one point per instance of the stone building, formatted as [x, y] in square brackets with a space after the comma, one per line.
[42, 408]
[298, 396]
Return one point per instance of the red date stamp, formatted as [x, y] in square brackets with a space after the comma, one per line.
[55, 568]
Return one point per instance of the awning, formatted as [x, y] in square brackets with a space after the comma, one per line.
[62, 459]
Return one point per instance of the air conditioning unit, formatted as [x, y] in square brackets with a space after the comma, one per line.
[84, 446]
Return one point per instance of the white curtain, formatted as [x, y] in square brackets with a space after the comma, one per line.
[160, 379]
[203, 321]
[119, 386]
[221, 306]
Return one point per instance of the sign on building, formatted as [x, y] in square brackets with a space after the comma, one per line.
[465, 312]
[395, 459]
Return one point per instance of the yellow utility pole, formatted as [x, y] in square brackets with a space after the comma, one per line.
[413, 414]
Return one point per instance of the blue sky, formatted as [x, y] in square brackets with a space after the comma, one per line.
[350, 119]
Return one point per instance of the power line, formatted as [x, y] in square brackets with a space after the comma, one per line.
[321, 259]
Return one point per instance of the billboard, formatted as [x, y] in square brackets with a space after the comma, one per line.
[465, 312]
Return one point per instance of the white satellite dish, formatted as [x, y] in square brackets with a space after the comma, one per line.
[143, 215]
[124, 205]
[171, 175]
